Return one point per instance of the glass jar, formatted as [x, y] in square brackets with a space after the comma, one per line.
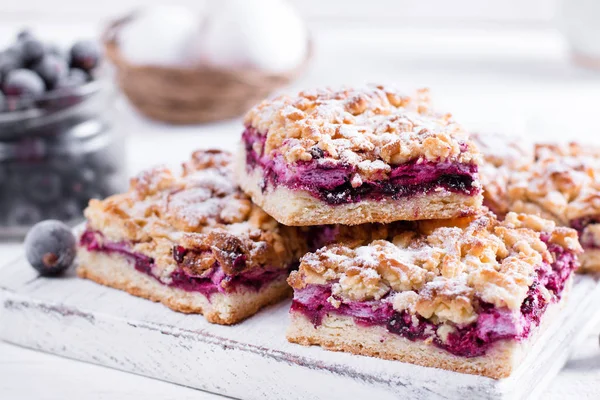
[56, 154]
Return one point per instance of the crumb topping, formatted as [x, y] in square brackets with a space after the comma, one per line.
[562, 184]
[200, 209]
[441, 269]
[371, 127]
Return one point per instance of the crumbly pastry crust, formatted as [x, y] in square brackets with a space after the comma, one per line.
[369, 128]
[341, 333]
[116, 271]
[200, 209]
[300, 208]
[441, 269]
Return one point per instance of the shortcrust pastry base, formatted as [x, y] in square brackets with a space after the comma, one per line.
[300, 208]
[590, 261]
[116, 271]
[340, 333]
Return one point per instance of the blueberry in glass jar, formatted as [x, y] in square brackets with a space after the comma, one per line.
[8, 61]
[75, 77]
[52, 69]
[23, 82]
[59, 142]
[33, 51]
[85, 55]
[25, 34]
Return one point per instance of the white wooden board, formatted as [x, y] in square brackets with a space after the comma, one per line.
[79, 319]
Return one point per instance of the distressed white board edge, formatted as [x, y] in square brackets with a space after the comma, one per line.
[77, 319]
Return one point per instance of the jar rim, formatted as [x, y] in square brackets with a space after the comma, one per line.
[82, 102]
[36, 111]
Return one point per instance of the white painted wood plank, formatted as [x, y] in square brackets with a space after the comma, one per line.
[28, 374]
[82, 320]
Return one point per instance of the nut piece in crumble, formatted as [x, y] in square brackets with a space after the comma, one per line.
[469, 295]
[191, 240]
[354, 156]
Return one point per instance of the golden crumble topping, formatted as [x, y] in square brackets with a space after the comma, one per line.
[562, 184]
[439, 268]
[371, 127]
[200, 209]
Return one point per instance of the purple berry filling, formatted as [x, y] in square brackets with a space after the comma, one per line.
[215, 280]
[579, 224]
[329, 181]
[492, 325]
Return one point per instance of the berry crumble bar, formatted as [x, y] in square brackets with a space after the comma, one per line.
[468, 295]
[191, 240]
[354, 156]
[556, 181]
[563, 184]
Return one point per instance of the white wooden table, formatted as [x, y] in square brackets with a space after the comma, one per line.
[509, 80]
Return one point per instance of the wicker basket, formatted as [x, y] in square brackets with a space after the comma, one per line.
[191, 95]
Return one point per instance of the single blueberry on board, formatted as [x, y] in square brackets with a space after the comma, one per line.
[50, 247]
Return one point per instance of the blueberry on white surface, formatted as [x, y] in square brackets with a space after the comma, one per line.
[85, 55]
[50, 247]
[23, 82]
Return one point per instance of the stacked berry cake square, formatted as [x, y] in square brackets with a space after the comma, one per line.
[192, 241]
[469, 295]
[357, 156]
[370, 205]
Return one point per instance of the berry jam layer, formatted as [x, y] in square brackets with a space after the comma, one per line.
[492, 325]
[587, 238]
[213, 280]
[331, 182]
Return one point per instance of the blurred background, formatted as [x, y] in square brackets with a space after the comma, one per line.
[175, 76]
